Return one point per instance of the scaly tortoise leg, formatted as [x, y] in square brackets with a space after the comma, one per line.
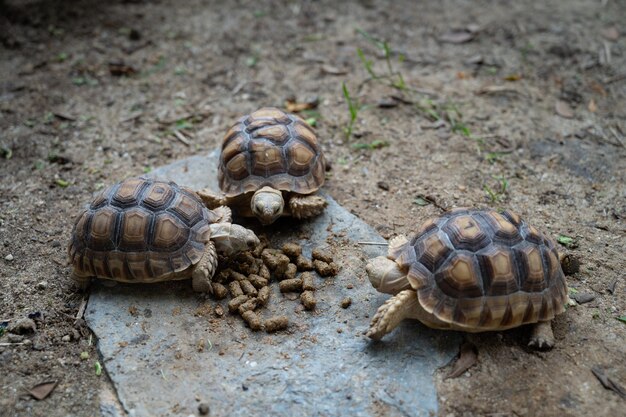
[203, 271]
[225, 214]
[81, 281]
[302, 207]
[211, 199]
[391, 313]
[542, 337]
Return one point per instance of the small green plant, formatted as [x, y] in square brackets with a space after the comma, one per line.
[98, 368]
[622, 319]
[500, 193]
[567, 241]
[377, 144]
[392, 77]
[353, 107]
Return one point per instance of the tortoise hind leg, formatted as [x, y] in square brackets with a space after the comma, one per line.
[391, 313]
[203, 271]
[225, 214]
[305, 206]
[81, 281]
[542, 337]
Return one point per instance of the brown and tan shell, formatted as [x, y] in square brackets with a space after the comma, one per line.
[141, 230]
[270, 148]
[484, 270]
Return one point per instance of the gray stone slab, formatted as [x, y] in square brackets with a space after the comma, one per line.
[321, 366]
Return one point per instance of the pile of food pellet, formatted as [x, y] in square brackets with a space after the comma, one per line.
[247, 279]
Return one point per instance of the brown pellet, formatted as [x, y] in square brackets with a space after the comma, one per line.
[307, 299]
[264, 295]
[237, 276]
[223, 276]
[304, 264]
[291, 285]
[322, 255]
[293, 250]
[219, 310]
[253, 320]
[235, 289]
[245, 258]
[251, 304]
[219, 291]
[248, 288]
[334, 268]
[322, 268]
[274, 324]
[260, 247]
[282, 263]
[308, 281]
[264, 272]
[257, 281]
[290, 273]
[233, 304]
[346, 302]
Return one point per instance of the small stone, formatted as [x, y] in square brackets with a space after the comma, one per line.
[293, 250]
[15, 338]
[8, 258]
[304, 264]
[66, 338]
[322, 255]
[383, 185]
[203, 409]
[308, 300]
[22, 326]
[42, 285]
[274, 324]
[219, 310]
[346, 302]
[291, 285]
[583, 297]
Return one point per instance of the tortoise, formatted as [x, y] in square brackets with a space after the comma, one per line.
[271, 165]
[147, 230]
[471, 270]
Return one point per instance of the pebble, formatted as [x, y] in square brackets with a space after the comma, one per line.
[66, 338]
[203, 409]
[8, 258]
[346, 302]
[42, 285]
[22, 326]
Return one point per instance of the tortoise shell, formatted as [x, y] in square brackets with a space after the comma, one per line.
[270, 148]
[484, 270]
[141, 230]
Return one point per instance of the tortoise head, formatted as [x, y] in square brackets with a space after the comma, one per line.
[231, 239]
[267, 205]
[386, 276]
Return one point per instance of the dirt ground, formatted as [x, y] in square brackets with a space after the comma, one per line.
[491, 104]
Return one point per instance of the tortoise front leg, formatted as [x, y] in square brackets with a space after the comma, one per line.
[542, 337]
[82, 281]
[212, 199]
[305, 206]
[391, 313]
[203, 271]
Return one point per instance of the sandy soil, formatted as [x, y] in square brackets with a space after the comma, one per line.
[501, 104]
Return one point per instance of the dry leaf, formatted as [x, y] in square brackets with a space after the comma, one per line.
[294, 107]
[329, 69]
[41, 391]
[610, 33]
[468, 356]
[592, 106]
[119, 69]
[607, 382]
[513, 77]
[597, 88]
[563, 109]
[457, 36]
[496, 89]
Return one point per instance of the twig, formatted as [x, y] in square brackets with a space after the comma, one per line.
[373, 243]
[615, 78]
[81, 308]
[12, 344]
[181, 137]
[617, 136]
